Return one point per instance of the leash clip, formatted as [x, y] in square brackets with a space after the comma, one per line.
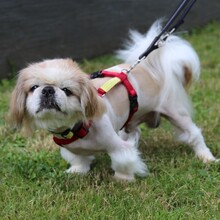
[128, 71]
[161, 42]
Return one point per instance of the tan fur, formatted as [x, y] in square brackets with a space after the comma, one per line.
[17, 114]
[17, 104]
[119, 103]
[92, 103]
[188, 77]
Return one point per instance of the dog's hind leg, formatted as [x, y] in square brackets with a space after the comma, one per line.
[152, 119]
[187, 132]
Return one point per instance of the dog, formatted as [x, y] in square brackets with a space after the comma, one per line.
[56, 95]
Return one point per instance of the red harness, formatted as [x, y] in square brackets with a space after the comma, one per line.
[132, 95]
[80, 130]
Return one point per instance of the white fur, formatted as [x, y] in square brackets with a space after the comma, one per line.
[165, 94]
[79, 164]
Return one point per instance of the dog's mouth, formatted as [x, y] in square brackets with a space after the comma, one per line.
[48, 104]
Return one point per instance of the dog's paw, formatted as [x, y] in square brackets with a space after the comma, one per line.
[78, 169]
[206, 156]
[210, 160]
[124, 177]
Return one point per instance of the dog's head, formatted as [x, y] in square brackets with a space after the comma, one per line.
[53, 94]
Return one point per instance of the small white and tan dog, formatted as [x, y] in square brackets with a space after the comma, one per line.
[56, 95]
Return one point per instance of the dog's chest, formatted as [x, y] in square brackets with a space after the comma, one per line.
[83, 151]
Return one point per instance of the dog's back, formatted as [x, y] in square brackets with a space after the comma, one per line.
[173, 66]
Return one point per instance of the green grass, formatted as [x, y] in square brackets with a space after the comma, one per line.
[34, 186]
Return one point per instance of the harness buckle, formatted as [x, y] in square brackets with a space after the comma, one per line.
[97, 74]
[67, 134]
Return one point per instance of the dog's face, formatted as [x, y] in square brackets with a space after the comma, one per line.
[53, 94]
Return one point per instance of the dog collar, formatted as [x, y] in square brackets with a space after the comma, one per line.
[80, 130]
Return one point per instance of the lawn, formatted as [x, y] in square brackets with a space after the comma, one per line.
[34, 186]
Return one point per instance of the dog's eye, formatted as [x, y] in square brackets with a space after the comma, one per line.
[67, 91]
[33, 88]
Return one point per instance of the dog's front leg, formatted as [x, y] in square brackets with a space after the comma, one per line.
[79, 164]
[126, 161]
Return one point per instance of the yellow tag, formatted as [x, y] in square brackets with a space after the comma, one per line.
[110, 84]
[69, 135]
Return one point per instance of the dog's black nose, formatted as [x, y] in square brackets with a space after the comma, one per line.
[48, 91]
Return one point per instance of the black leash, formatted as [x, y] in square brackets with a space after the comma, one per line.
[175, 20]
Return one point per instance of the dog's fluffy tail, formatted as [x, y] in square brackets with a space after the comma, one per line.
[175, 64]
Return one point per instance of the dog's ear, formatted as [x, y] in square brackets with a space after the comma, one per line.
[91, 103]
[17, 115]
[17, 104]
